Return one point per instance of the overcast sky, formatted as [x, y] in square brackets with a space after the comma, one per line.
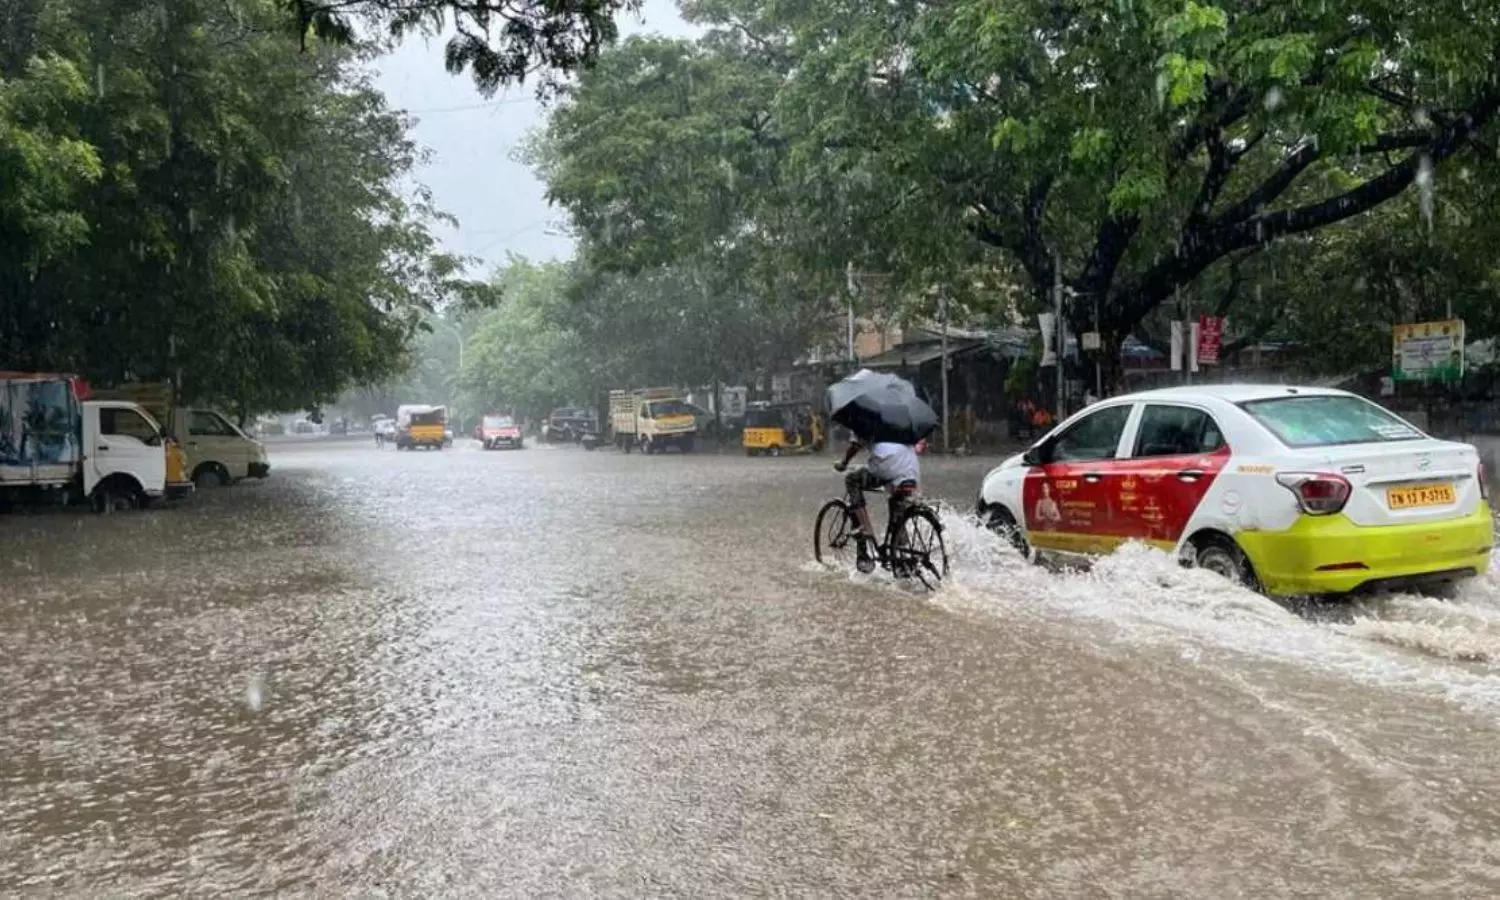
[499, 204]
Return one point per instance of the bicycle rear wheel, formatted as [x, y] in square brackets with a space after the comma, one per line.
[834, 541]
[917, 548]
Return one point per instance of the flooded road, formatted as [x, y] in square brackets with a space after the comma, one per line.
[558, 673]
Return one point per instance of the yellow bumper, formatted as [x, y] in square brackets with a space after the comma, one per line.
[1332, 555]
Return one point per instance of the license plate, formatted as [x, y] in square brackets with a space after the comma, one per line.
[1426, 495]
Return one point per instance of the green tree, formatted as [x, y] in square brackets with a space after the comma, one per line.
[1121, 149]
[216, 206]
[525, 355]
[498, 42]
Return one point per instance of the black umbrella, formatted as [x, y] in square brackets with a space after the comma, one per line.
[880, 407]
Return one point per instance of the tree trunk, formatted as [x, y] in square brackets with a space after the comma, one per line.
[1112, 362]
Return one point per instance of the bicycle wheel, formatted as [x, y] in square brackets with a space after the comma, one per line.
[834, 542]
[917, 548]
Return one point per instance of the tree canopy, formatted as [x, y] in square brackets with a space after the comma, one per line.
[185, 193]
[1127, 150]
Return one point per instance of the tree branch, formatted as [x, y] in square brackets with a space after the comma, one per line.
[1298, 162]
[1197, 251]
[1221, 163]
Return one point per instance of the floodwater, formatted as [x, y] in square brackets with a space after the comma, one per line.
[558, 673]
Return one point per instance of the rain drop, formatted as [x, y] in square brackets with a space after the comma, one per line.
[1424, 188]
[1274, 98]
[99, 79]
[255, 692]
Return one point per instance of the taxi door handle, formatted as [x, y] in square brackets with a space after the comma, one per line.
[1092, 477]
[1190, 475]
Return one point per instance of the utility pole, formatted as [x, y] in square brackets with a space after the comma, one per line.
[849, 281]
[943, 304]
[1187, 337]
[1098, 354]
[1057, 299]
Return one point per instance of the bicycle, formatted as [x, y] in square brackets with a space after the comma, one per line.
[913, 545]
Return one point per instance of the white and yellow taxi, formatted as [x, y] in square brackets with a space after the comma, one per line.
[1292, 490]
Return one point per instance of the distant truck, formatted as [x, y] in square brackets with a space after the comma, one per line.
[420, 425]
[218, 452]
[652, 419]
[58, 444]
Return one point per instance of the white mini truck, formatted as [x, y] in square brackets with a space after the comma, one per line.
[56, 444]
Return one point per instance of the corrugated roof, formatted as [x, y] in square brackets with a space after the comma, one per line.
[919, 354]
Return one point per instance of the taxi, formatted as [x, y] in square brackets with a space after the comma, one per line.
[1290, 490]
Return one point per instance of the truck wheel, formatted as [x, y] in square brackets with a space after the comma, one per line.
[775, 451]
[111, 498]
[687, 445]
[210, 475]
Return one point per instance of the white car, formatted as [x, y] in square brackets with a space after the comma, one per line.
[1292, 490]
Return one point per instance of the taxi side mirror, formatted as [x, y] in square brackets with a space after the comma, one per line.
[1036, 456]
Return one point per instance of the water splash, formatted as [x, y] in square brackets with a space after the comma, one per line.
[1140, 595]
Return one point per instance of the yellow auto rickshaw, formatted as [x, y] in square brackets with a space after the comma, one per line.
[779, 428]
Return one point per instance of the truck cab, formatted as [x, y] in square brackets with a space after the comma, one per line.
[124, 455]
[666, 422]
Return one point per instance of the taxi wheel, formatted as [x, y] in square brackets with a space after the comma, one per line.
[1002, 523]
[1221, 557]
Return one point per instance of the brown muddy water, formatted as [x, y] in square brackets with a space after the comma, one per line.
[552, 673]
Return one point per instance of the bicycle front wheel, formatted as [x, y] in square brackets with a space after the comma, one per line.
[917, 548]
[834, 541]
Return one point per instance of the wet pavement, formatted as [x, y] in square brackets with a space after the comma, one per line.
[558, 673]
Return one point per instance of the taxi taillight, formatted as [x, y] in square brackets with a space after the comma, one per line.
[1318, 493]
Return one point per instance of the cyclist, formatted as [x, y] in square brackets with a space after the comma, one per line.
[892, 467]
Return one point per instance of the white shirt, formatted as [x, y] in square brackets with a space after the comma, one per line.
[894, 463]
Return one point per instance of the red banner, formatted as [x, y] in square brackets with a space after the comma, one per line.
[1210, 339]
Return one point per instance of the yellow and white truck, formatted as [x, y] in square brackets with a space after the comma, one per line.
[651, 419]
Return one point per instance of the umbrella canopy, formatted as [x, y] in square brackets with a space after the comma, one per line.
[878, 406]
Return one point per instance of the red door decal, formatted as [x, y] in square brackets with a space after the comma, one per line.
[1156, 496]
[1069, 506]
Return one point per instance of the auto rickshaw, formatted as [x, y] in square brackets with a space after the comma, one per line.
[782, 428]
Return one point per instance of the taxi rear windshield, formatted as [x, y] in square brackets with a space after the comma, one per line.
[1328, 421]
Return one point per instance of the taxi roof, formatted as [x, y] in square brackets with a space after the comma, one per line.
[1233, 393]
